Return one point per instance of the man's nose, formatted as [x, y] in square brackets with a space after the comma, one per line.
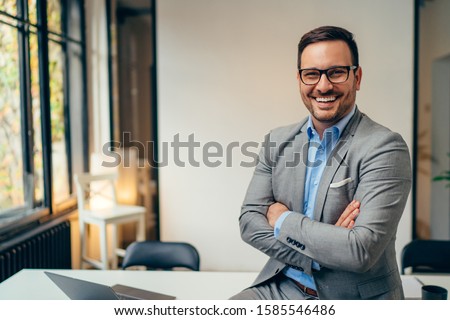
[324, 84]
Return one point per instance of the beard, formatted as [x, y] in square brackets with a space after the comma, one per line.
[333, 113]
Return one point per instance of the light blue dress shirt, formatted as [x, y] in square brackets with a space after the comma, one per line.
[318, 152]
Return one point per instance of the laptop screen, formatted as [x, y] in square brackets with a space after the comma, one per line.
[77, 289]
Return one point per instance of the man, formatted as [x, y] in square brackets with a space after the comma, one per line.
[328, 193]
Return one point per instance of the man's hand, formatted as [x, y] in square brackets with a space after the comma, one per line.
[274, 212]
[347, 218]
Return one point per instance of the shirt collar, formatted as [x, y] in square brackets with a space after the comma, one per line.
[339, 127]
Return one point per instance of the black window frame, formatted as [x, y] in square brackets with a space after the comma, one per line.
[47, 209]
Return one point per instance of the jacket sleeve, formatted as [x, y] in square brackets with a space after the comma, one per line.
[255, 229]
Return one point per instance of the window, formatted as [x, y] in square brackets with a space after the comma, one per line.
[42, 107]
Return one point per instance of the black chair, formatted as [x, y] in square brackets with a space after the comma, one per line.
[426, 256]
[161, 255]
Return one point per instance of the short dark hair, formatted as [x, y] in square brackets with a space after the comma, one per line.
[327, 33]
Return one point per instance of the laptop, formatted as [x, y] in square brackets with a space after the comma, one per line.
[77, 289]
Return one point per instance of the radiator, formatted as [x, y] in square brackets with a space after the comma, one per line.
[48, 249]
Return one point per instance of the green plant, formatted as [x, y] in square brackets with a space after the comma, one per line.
[445, 176]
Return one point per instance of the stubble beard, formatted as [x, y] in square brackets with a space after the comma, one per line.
[340, 112]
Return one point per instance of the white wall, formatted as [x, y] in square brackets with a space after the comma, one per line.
[227, 72]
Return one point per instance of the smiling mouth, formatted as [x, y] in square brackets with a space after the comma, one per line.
[325, 99]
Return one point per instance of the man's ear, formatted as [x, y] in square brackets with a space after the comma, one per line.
[358, 77]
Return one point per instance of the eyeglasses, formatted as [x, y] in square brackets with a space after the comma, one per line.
[335, 75]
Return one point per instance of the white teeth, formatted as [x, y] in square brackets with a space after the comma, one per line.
[325, 99]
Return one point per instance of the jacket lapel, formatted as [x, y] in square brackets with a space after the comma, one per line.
[334, 162]
[300, 147]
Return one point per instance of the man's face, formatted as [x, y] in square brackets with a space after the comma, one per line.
[328, 102]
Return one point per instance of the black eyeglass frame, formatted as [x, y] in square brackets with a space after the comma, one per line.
[325, 71]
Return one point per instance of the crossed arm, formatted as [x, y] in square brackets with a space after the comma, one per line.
[346, 220]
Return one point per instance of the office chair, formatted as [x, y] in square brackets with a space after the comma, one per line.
[112, 215]
[161, 255]
[426, 256]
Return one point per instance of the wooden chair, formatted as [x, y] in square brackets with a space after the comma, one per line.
[161, 255]
[102, 186]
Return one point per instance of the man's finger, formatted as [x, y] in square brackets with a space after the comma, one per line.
[351, 217]
[345, 214]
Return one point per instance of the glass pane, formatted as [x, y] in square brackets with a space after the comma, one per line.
[59, 152]
[32, 11]
[11, 169]
[8, 20]
[36, 110]
[9, 6]
[76, 95]
[54, 15]
[55, 37]
[74, 17]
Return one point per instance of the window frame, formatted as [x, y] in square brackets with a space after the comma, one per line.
[21, 217]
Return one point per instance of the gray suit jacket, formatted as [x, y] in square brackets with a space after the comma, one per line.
[370, 164]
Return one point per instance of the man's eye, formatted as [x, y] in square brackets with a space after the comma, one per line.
[310, 74]
[337, 72]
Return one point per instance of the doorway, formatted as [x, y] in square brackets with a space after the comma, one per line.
[133, 97]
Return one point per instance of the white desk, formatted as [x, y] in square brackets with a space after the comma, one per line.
[31, 284]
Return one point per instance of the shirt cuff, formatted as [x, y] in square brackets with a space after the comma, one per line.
[276, 230]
